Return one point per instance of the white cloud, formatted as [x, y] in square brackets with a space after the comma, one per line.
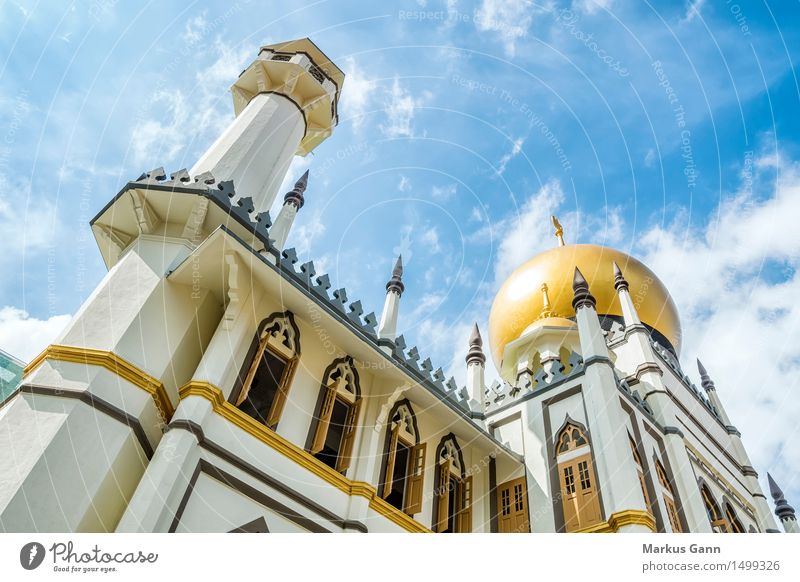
[736, 282]
[400, 108]
[591, 6]
[404, 185]
[430, 240]
[178, 120]
[357, 93]
[693, 9]
[510, 19]
[516, 148]
[650, 158]
[529, 231]
[24, 336]
[444, 193]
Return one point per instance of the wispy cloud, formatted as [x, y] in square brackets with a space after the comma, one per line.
[400, 107]
[516, 149]
[693, 10]
[509, 19]
[357, 94]
[736, 282]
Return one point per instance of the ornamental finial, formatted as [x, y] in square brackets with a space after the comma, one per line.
[547, 309]
[559, 230]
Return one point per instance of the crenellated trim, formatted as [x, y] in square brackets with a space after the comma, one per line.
[232, 414]
[114, 364]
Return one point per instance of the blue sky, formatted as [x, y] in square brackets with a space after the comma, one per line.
[666, 129]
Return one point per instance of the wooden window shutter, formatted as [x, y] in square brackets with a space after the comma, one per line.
[415, 480]
[465, 497]
[442, 496]
[324, 421]
[346, 450]
[276, 409]
[390, 458]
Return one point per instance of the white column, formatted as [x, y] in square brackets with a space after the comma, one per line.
[387, 329]
[616, 470]
[476, 362]
[282, 225]
[257, 148]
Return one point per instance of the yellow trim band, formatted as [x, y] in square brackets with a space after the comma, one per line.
[621, 519]
[248, 424]
[114, 364]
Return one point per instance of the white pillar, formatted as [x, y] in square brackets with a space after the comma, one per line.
[286, 104]
[387, 329]
[616, 470]
[629, 313]
[256, 149]
[476, 367]
[292, 202]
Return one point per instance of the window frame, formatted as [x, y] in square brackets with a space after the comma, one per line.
[571, 452]
[414, 475]
[339, 382]
[267, 338]
[451, 468]
[509, 523]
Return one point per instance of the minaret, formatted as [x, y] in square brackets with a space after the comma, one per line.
[783, 510]
[735, 438]
[394, 289]
[292, 202]
[648, 374]
[476, 367]
[285, 104]
[615, 466]
[711, 390]
[629, 314]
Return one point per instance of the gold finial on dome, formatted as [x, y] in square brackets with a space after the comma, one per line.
[559, 230]
[547, 311]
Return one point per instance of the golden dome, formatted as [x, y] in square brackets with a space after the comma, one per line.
[520, 301]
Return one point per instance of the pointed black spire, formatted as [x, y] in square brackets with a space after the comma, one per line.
[705, 379]
[619, 279]
[396, 282]
[295, 195]
[783, 510]
[475, 353]
[580, 288]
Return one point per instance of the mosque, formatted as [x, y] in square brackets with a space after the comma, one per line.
[213, 383]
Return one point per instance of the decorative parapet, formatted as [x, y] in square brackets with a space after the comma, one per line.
[351, 313]
[672, 363]
[538, 379]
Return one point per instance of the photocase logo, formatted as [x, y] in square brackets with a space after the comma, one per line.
[31, 555]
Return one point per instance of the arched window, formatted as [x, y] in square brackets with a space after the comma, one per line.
[404, 461]
[577, 478]
[718, 522]
[452, 508]
[269, 374]
[734, 524]
[335, 422]
[668, 495]
[640, 472]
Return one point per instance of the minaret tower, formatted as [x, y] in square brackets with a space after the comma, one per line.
[285, 104]
[476, 368]
[292, 202]
[91, 409]
[783, 510]
[391, 307]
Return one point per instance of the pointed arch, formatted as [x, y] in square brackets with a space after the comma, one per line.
[335, 421]
[403, 466]
[734, 523]
[579, 488]
[452, 507]
[265, 377]
[718, 522]
[571, 436]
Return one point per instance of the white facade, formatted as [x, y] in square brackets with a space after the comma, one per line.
[133, 421]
